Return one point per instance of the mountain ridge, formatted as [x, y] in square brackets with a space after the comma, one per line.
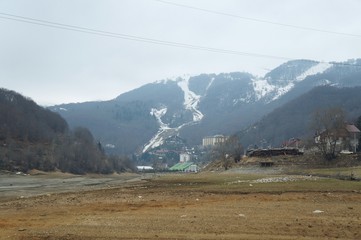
[196, 106]
[293, 119]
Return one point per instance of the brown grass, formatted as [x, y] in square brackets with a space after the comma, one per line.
[191, 206]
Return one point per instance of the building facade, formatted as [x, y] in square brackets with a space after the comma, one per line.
[213, 140]
[184, 157]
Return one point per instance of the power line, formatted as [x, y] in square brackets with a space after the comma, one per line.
[259, 20]
[131, 37]
[92, 31]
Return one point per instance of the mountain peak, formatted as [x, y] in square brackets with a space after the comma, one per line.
[288, 71]
[195, 106]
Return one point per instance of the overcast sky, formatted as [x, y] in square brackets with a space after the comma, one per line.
[53, 65]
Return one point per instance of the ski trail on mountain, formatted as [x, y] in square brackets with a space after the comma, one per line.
[191, 100]
[262, 89]
[157, 140]
[210, 84]
[317, 69]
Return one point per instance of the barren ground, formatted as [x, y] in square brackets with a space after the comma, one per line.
[179, 206]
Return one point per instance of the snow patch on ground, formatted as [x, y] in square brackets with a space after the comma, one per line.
[262, 88]
[210, 84]
[109, 145]
[283, 90]
[191, 100]
[158, 114]
[246, 99]
[165, 81]
[319, 68]
[157, 140]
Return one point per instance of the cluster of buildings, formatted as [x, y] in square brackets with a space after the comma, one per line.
[345, 139]
[185, 162]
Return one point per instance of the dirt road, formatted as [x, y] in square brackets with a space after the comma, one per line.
[183, 209]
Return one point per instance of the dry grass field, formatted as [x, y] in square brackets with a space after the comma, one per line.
[190, 206]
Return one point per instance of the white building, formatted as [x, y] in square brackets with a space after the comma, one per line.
[184, 157]
[213, 140]
[144, 168]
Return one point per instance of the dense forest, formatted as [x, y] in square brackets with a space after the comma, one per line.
[32, 137]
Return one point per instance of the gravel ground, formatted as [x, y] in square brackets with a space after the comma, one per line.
[26, 185]
[180, 207]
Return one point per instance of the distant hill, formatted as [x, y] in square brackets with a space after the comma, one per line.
[24, 120]
[198, 106]
[293, 119]
[32, 137]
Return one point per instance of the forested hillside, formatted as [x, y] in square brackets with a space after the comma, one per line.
[293, 119]
[23, 120]
[32, 137]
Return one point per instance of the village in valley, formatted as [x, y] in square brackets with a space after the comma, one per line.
[175, 156]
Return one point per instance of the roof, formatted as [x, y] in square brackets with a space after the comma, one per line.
[352, 128]
[181, 166]
[216, 136]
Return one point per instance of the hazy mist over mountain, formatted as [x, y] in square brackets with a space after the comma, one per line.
[208, 104]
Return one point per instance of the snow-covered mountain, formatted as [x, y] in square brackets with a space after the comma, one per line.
[196, 106]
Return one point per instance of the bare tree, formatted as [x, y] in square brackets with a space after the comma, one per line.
[220, 152]
[229, 151]
[234, 148]
[328, 125]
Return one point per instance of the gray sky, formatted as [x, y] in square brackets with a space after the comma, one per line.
[53, 66]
